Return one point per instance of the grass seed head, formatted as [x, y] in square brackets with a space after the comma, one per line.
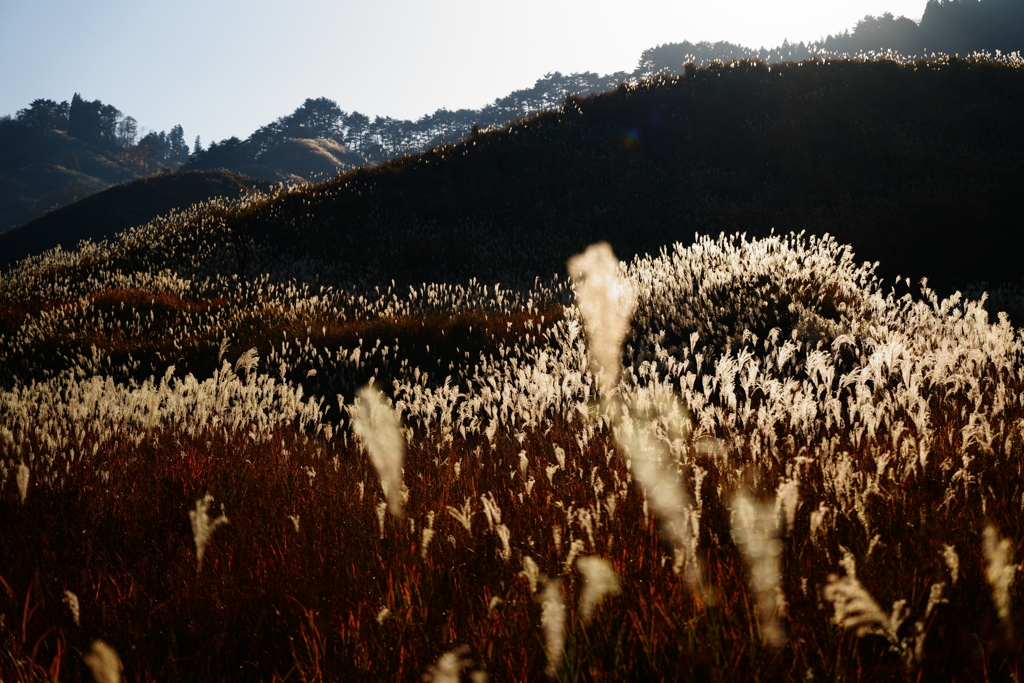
[375, 424]
[755, 531]
[599, 581]
[203, 527]
[552, 620]
[607, 301]
[72, 602]
[999, 570]
[449, 667]
[23, 474]
[103, 663]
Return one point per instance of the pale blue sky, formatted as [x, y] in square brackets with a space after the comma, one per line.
[225, 67]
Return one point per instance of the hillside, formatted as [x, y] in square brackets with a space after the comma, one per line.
[104, 214]
[45, 169]
[242, 443]
[318, 139]
[918, 166]
[737, 461]
[301, 160]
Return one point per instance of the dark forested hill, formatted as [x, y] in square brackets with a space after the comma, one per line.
[44, 169]
[52, 154]
[918, 166]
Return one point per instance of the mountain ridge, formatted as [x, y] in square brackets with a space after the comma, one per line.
[917, 166]
[950, 26]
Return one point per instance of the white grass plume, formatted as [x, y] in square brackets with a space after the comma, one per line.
[607, 301]
[531, 573]
[599, 580]
[103, 663]
[247, 361]
[23, 475]
[999, 571]
[755, 531]
[449, 667]
[952, 562]
[375, 424]
[651, 467]
[427, 535]
[857, 609]
[72, 602]
[203, 527]
[552, 620]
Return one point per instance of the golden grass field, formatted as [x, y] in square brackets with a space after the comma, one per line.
[743, 459]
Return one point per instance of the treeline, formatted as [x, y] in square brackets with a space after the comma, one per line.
[947, 27]
[950, 27]
[917, 165]
[104, 125]
[384, 137]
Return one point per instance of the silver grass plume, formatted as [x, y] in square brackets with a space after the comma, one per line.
[72, 601]
[450, 666]
[247, 361]
[857, 609]
[103, 663]
[999, 571]
[531, 572]
[203, 527]
[651, 465]
[552, 620]
[375, 424]
[599, 580]
[607, 302]
[755, 529]
[22, 477]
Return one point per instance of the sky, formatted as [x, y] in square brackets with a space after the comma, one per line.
[226, 67]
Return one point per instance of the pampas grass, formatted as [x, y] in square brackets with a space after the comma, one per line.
[999, 571]
[531, 572]
[552, 621]
[755, 531]
[856, 609]
[599, 581]
[203, 527]
[449, 667]
[722, 387]
[377, 427]
[607, 302]
[72, 602]
[22, 478]
[103, 663]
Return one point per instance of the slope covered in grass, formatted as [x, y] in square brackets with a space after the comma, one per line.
[793, 471]
[107, 213]
[918, 166]
[877, 438]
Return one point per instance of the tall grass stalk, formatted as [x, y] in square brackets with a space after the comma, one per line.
[203, 527]
[377, 427]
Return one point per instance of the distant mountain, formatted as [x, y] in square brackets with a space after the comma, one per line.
[107, 213]
[917, 166]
